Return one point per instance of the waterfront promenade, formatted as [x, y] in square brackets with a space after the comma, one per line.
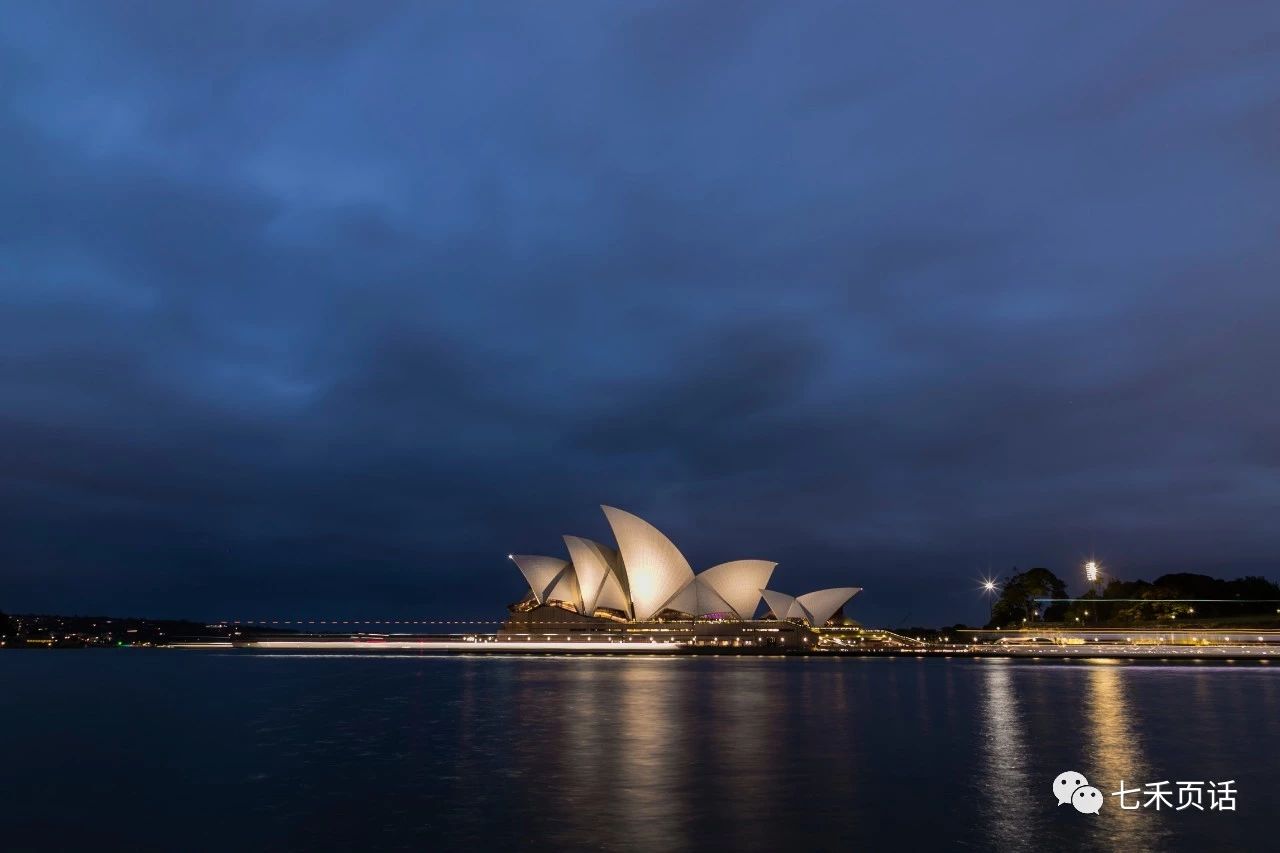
[1176, 647]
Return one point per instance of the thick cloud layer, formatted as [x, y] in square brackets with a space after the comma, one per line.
[321, 313]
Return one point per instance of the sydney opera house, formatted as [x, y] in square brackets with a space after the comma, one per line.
[646, 588]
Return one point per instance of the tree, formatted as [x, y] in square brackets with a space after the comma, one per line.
[1017, 604]
[1187, 595]
[1084, 609]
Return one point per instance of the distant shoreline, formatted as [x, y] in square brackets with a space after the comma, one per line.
[488, 645]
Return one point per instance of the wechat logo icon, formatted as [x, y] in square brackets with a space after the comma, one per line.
[1071, 787]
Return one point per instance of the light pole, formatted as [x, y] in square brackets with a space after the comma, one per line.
[1093, 574]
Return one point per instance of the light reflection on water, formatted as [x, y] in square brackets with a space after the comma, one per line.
[1009, 785]
[1116, 756]
[341, 753]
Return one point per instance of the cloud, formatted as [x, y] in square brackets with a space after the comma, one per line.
[308, 311]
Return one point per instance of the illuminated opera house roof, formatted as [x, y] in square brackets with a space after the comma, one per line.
[647, 577]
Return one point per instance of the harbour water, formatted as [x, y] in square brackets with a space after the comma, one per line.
[171, 750]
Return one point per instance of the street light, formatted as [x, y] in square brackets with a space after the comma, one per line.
[989, 588]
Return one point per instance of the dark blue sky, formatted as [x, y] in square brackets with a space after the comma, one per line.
[322, 312]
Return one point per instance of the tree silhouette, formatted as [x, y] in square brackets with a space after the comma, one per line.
[1016, 604]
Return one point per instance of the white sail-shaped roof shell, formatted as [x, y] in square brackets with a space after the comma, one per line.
[780, 604]
[655, 569]
[542, 573]
[565, 588]
[613, 596]
[698, 598]
[821, 605]
[738, 584]
[684, 601]
[710, 600]
[594, 565]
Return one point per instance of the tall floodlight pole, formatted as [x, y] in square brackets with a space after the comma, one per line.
[1093, 574]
